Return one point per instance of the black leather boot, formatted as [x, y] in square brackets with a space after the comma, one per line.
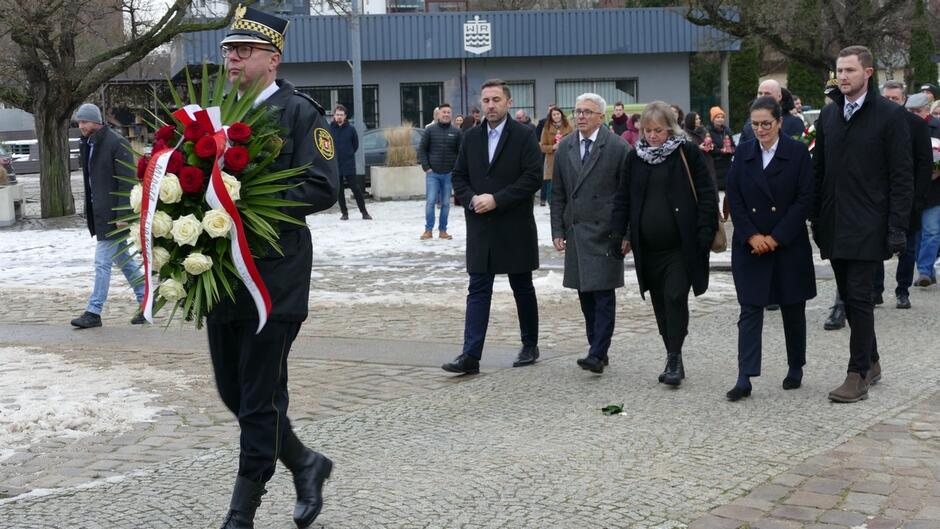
[672, 376]
[245, 501]
[310, 471]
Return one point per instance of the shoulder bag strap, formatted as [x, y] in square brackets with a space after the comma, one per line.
[688, 173]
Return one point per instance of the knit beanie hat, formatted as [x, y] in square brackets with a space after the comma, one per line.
[88, 112]
[715, 112]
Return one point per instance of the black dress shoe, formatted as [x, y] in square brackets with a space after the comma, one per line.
[527, 356]
[87, 320]
[673, 374]
[738, 393]
[366, 216]
[836, 319]
[464, 365]
[791, 383]
[904, 301]
[592, 364]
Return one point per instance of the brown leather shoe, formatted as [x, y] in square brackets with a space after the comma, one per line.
[874, 374]
[854, 389]
[426, 235]
[444, 235]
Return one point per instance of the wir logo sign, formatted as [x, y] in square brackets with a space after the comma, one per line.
[477, 36]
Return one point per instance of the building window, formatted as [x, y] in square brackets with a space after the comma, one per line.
[330, 96]
[612, 90]
[418, 102]
[523, 97]
[405, 6]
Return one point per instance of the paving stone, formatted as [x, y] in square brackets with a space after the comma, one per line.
[715, 522]
[884, 523]
[812, 499]
[738, 512]
[775, 523]
[806, 514]
[825, 485]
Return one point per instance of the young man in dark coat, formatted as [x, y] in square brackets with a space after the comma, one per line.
[102, 150]
[498, 170]
[863, 197]
[251, 369]
[346, 143]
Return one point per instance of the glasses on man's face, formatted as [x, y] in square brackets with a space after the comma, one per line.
[243, 51]
[766, 125]
[584, 112]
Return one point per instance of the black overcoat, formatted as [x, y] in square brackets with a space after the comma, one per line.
[287, 277]
[697, 221]
[110, 148]
[505, 240]
[922, 157]
[863, 176]
[775, 201]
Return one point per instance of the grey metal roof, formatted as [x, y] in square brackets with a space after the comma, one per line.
[419, 36]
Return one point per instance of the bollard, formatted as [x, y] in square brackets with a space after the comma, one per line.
[7, 213]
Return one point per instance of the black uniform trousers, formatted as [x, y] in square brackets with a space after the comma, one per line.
[251, 375]
[352, 182]
[479, 297]
[669, 286]
[855, 281]
[750, 329]
[599, 308]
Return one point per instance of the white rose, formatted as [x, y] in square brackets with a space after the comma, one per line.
[197, 263]
[217, 223]
[133, 236]
[172, 290]
[232, 185]
[170, 190]
[160, 257]
[137, 196]
[161, 225]
[186, 230]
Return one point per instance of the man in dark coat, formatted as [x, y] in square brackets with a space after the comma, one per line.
[346, 143]
[585, 177]
[862, 208]
[251, 369]
[102, 150]
[792, 125]
[922, 157]
[498, 170]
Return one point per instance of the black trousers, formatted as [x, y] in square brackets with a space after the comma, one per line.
[479, 297]
[599, 309]
[251, 375]
[352, 182]
[855, 281]
[907, 262]
[665, 275]
[750, 329]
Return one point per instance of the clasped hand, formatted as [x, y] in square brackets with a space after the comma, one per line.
[761, 244]
[482, 203]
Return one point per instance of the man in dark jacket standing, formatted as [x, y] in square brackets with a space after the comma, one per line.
[864, 191]
[437, 154]
[102, 150]
[250, 365]
[498, 170]
[346, 142]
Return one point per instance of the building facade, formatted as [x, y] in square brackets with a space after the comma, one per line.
[412, 62]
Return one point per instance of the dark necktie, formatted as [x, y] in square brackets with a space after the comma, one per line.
[587, 149]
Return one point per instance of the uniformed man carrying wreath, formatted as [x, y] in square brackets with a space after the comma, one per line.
[250, 369]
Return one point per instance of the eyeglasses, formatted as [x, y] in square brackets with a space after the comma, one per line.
[243, 51]
[584, 112]
[766, 125]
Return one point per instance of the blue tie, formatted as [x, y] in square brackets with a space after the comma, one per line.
[587, 149]
[849, 110]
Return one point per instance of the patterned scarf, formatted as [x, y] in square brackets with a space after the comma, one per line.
[657, 155]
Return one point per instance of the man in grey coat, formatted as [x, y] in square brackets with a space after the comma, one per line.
[587, 169]
[102, 150]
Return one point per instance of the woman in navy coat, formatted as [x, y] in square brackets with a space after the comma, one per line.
[770, 190]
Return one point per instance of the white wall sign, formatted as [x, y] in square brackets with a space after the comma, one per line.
[477, 36]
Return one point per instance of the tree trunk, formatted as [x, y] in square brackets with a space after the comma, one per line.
[55, 185]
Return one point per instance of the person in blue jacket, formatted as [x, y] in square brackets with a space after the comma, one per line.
[347, 143]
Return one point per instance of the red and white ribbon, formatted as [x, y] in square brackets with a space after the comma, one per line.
[153, 176]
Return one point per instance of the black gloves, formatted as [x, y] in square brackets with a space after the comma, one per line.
[897, 240]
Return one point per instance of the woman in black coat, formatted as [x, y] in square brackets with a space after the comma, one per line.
[770, 190]
[666, 211]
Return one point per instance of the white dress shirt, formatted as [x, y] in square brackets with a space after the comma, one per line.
[768, 154]
[592, 137]
[493, 134]
[266, 93]
[858, 102]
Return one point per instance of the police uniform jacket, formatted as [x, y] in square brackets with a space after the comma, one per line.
[287, 276]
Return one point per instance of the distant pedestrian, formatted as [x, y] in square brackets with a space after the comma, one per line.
[632, 134]
[541, 123]
[556, 128]
[618, 121]
[723, 139]
[678, 113]
[770, 191]
[698, 135]
[498, 170]
[437, 154]
[666, 211]
[792, 125]
[472, 120]
[929, 218]
[935, 109]
[346, 143]
[586, 175]
[101, 151]
[458, 120]
[931, 91]
[524, 119]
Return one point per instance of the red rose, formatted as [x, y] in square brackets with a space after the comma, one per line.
[192, 179]
[158, 146]
[239, 132]
[236, 158]
[205, 147]
[165, 133]
[142, 164]
[194, 131]
[175, 163]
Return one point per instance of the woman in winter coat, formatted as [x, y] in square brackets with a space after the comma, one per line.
[556, 127]
[723, 139]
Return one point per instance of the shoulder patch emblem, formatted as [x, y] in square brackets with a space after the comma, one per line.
[324, 142]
